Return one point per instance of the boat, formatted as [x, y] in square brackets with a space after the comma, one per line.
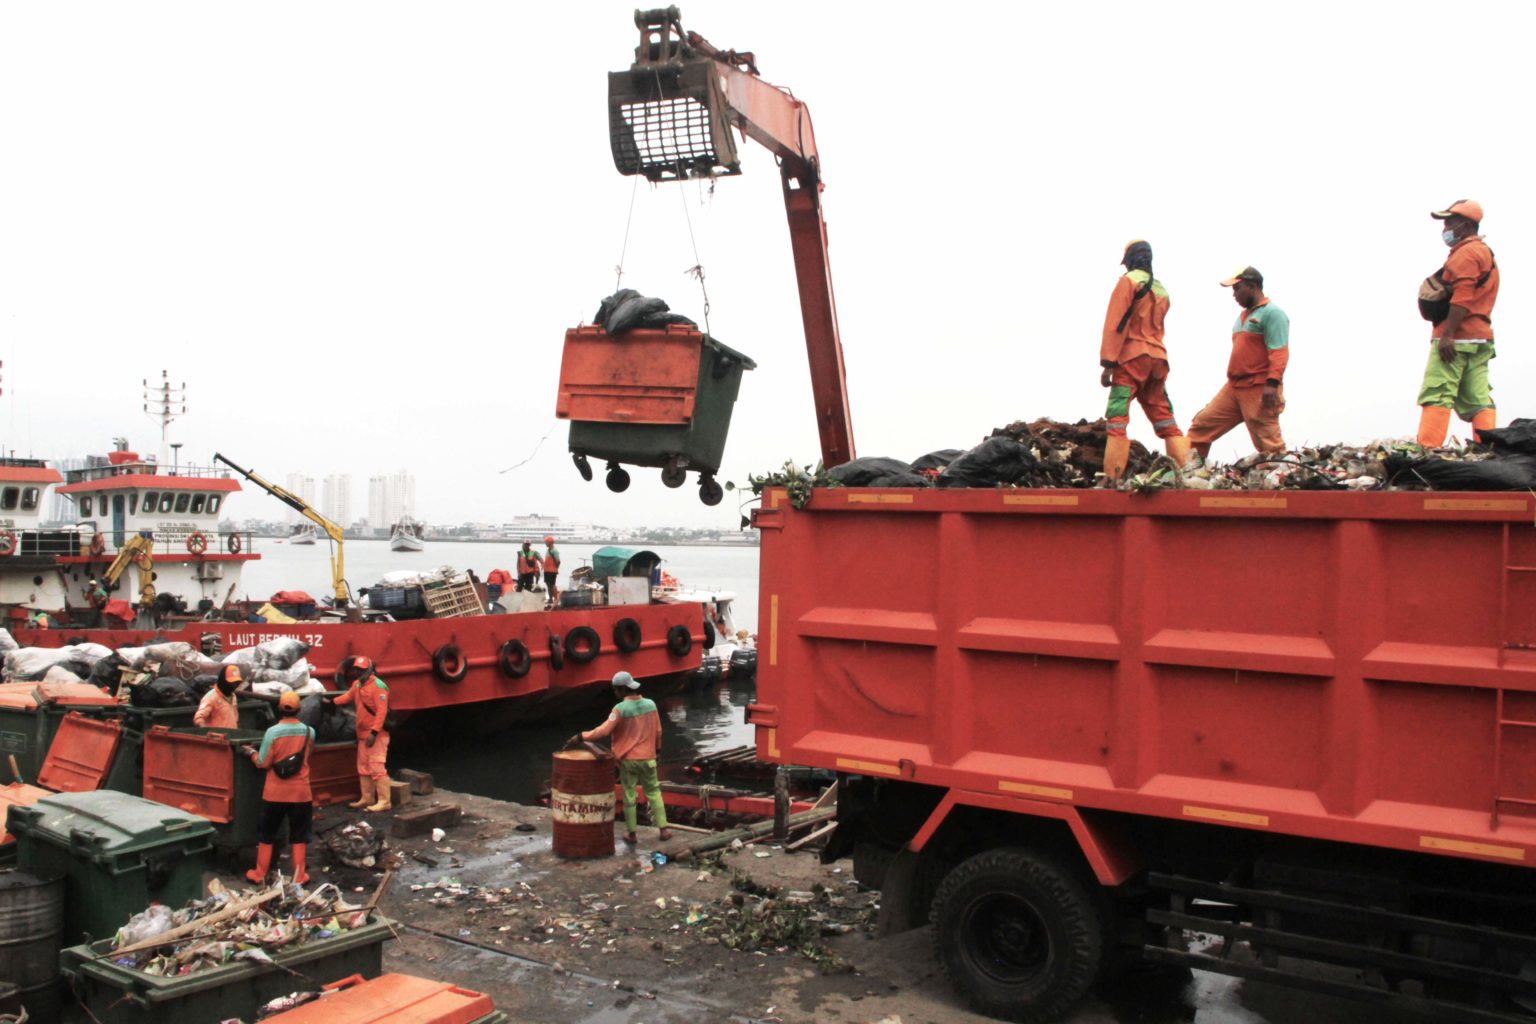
[304, 533]
[407, 535]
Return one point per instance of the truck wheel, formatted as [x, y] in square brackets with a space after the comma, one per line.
[1017, 935]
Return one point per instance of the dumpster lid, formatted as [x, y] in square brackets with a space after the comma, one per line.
[107, 824]
[27, 696]
[746, 361]
[391, 997]
[81, 754]
[17, 794]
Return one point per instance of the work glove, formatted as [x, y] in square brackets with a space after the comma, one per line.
[372, 738]
[1107, 376]
[572, 742]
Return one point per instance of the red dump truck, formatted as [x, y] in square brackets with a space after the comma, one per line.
[1074, 728]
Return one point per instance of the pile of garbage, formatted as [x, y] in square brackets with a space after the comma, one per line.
[1046, 453]
[231, 925]
[627, 309]
[358, 845]
[756, 917]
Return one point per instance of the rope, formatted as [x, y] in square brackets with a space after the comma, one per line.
[697, 270]
[623, 250]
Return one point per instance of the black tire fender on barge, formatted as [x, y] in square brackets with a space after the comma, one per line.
[626, 635]
[679, 641]
[556, 652]
[449, 663]
[582, 644]
[514, 659]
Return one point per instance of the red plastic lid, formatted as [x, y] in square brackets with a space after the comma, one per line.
[398, 998]
[16, 795]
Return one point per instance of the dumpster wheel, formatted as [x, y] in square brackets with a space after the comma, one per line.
[582, 466]
[710, 492]
[617, 478]
[674, 473]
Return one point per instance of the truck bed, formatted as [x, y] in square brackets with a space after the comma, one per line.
[1358, 667]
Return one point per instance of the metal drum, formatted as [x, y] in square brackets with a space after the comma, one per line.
[31, 924]
[581, 803]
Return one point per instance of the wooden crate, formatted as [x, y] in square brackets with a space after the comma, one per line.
[452, 600]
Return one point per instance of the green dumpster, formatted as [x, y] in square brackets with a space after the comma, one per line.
[117, 852]
[30, 714]
[115, 994]
[127, 773]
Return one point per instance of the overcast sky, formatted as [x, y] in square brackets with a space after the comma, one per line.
[359, 231]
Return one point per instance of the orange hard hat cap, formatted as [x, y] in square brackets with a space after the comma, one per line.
[549, 540]
[1468, 208]
[289, 702]
[232, 674]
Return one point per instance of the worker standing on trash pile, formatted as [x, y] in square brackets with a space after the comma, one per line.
[1254, 393]
[371, 696]
[527, 567]
[285, 796]
[635, 726]
[1461, 344]
[551, 569]
[218, 709]
[1135, 361]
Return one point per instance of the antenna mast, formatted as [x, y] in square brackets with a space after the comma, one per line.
[164, 401]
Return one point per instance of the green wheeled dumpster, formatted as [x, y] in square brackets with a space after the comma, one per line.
[650, 397]
[30, 714]
[117, 853]
[127, 774]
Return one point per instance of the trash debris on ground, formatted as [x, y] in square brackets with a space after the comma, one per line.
[358, 845]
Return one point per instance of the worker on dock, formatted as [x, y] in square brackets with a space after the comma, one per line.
[285, 796]
[371, 696]
[551, 570]
[219, 709]
[1135, 362]
[527, 567]
[1254, 393]
[1461, 343]
[635, 726]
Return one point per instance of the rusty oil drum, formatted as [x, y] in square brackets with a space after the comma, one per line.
[581, 803]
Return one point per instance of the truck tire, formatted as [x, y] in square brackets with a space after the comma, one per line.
[1017, 934]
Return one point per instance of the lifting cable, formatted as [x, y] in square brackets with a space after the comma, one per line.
[624, 249]
[697, 270]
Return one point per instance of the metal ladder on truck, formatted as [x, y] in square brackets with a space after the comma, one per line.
[1517, 726]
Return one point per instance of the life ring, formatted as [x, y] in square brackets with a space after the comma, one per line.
[626, 635]
[709, 633]
[449, 663]
[515, 659]
[679, 641]
[556, 652]
[7, 543]
[197, 542]
[583, 644]
[233, 544]
[98, 544]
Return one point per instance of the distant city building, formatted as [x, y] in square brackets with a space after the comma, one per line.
[390, 497]
[336, 498]
[537, 527]
[303, 487]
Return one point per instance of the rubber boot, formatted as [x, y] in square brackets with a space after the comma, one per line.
[1485, 420]
[380, 787]
[365, 783]
[1434, 422]
[258, 874]
[301, 863]
[1117, 452]
[1178, 450]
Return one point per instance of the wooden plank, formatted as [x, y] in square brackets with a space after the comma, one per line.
[817, 834]
[422, 820]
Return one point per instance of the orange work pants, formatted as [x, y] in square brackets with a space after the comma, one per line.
[1144, 378]
[1233, 406]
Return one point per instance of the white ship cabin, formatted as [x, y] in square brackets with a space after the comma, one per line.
[121, 495]
[28, 570]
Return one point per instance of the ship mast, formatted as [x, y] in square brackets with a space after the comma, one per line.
[164, 401]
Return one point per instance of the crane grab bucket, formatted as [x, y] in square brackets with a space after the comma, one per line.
[668, 118]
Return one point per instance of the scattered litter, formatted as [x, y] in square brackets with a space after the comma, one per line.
[438, 835]
[357, 845]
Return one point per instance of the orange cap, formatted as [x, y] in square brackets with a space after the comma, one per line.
[1244, 274]
[288, 702]
[232, 674]
[1468, 208]
[549, 540]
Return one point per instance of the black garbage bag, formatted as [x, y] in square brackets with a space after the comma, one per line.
[627, 309]
[165, 692]
[937, 460]
[995, 462]
[1502, 473]
[875, 471]
[312, 713]
[337, 725]
[80, 667]
[201, 684]
[1519, 437]
[106, 673]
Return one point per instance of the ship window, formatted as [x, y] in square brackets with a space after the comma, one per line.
[214, 501]
[181, 502]
[29, 499]
[198, 500]
[166, 500]
[9, 498]
[85, 507]
[133, 503]
[149, 501]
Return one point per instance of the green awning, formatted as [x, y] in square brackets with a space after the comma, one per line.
[614, 561]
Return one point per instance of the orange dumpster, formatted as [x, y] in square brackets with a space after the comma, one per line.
[393, 998]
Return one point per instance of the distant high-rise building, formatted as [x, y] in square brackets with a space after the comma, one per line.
[303, 487]
[390, 497]
[336, 499]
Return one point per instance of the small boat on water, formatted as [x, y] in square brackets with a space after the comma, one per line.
[303, 534]
[407, 535]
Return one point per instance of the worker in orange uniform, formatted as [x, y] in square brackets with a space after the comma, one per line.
[635, 726]
[551, 569]
[496, 583]
[527, 566]
[1135, 362]
[218, 709]
[371, 696]
[1461, 343]
[285, 796]
[1254, 394]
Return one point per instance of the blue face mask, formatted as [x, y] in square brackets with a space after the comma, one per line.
[1448, 236]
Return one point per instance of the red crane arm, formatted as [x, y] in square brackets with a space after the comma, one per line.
[669, 118]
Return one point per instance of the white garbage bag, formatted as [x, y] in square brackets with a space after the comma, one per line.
[167, 651]
[280, 652]
[133, 657]
[271, 688]
[60, 674]
[29, 664]
[7, 642]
